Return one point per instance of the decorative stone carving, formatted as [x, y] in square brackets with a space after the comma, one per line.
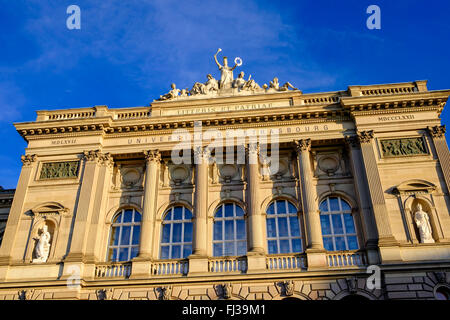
[423, 224]
[25, 294]
[104, 294]
[28, 159]
[365, 136]
[130, 177]
[228, 171]
[165, 293]
[403, 147]
[152, 155]
[42, 248]
[59, 170]
[303, 145]
[178, 174]
[288, 287]
[91, 155]
[226, 289]
[275, 86]
[352, 284]
[437, 131]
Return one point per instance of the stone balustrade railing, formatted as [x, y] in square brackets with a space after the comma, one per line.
[112, 270]
[286, 262]
[169, 267]
[228, 264]
[344, 259]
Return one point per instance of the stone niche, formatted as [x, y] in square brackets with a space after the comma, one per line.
[227, 173]
[283, 169]
[329, 163]
[175, 175]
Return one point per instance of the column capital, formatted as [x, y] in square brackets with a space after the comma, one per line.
[353, 142]
[303, 145]
[365, 136]
[201, 154]
[437, 131]
[152, 155]
[91, 155]
[28, 159]
[252, 148]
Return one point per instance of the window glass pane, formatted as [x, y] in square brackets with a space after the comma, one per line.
[137, 217]
[134, 252]
[229, 230]
[349, 224]
[352, 243]
[118, 218]
[284, 246]
[240, 232]
[218, 230]
[112, 254]
[334, 204]
[340, 243]
[128, 215]
[187, 251]
[166, 233]
[217, 247]
[125, 238]
[281, 207]
[188, 232]
[219, 212]
[323, 206]
[165, 252]
[115, 236]
[328, 243]
[229, 248]
[228, 210]
[282, 227]
[345, 205]
[272, 246]
[271, 231]
[293, 223]
[239, 212]
[123, 254]
[271, 209]
[292, 208]
[178, 213]
[241, 248]
[325, 223]
[296, 245]
[187, 214]
[176, 232]
[337, 224]
[136, 234]
[176, 252]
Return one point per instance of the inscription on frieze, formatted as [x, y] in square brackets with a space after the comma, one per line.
[59, 170]
[403, 147]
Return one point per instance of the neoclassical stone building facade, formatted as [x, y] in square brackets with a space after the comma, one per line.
[237, 192]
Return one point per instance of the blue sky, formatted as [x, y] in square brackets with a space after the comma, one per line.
[128, 52]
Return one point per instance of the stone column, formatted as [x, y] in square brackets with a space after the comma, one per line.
[315, 251]
[153, 160]
[361, 185]
[85, 206]
[437, 133]
[198, 261]
[375, 190]
[141, 265]
[256, 250]
[15, 213]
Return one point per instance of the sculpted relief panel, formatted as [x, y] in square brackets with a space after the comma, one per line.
[403, 147]
[59, 170]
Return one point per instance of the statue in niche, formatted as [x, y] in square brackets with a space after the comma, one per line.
[423, 224]
[171, 94]
[42, 246]
[226, 77]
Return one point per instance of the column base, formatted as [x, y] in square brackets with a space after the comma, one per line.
[316, 259]
[140, 268]
[256, 261]
[198, 264]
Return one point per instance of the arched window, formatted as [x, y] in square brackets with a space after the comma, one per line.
[338, 226]
[283, 228]
[125, 233]
[176, 236]
[229, 231]
[442, 293]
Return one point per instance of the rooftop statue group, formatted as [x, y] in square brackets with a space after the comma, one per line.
[226, 84]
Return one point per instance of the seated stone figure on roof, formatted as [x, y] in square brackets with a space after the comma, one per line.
[171, 94]
[275, 85]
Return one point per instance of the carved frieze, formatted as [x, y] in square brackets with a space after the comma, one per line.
[403, 147]
[59, 170]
